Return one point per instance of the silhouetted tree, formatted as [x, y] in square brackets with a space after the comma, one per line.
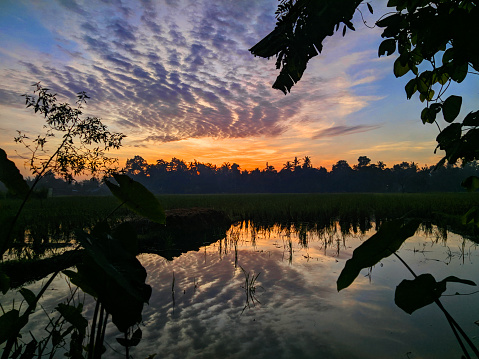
[136, 166]
[176, 176]
[307, 162]
[288, 166]
[363, 161]
[296, 164]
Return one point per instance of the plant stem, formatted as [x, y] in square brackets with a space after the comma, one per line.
[116, 208]
[405, 264]
[102, 339]
[458, 327]
[92, 331]
[459, 340]
[127, 348]
[454, 325]
[30, 191]
[99, 334]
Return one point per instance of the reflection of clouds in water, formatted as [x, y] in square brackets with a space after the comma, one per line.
[207, 322]
[301, 315]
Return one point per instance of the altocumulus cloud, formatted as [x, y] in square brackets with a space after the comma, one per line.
[165, 71]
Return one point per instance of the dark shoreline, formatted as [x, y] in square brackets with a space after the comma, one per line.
[186, 230]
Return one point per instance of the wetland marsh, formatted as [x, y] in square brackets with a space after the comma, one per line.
[205, 303]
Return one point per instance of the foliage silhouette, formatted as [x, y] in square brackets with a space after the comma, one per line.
[389, 238]
[109, 271]
[420, 31]
[136, 197]
[83, 140]
[410, 295]
[11, 177]
[423, 290]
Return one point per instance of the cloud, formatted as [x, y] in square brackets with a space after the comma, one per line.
[72, 5]
[170, 71]
[343, 130]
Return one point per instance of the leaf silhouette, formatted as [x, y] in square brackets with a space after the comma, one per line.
[385, 242]
[11, 177]
[421, 291]
[137, 198]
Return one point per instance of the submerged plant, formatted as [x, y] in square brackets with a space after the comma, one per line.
[250, 289]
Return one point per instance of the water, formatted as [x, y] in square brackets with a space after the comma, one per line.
[295, 310]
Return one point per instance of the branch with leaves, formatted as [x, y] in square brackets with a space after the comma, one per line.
[434, 33]
[84, 141]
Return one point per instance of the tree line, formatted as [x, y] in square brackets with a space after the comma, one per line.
[295, 176]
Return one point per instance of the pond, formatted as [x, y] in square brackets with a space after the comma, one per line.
[270, 292]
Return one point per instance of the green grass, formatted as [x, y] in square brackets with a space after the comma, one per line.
[318, 207]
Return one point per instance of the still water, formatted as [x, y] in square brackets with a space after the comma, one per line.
[200, 308]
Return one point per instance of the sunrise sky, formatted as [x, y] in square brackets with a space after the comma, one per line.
[177, 78]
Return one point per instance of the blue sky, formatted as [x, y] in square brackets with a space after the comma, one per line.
[177, 78]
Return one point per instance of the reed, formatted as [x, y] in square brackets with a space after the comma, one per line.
[54, 219]
[250, 287]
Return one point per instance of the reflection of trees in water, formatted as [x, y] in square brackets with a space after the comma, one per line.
[330, 236]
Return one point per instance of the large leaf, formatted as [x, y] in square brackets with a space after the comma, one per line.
[449, 136]
[73, 315]
[299, 35]
[411, 88]
[116, 277]
[400, 68]
[385, 242]
[472, 119]
[29, 296]
[83, 283]
[133, 341]
[451, 108]
[11, 322]
[125, 233]
[11, 177]
[119, 265]
[137, 197]
[387, 47]
[421, 291]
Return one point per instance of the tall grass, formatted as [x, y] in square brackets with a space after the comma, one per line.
[56, 218]
[319, 207]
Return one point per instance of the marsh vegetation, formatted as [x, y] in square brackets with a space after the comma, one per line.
[270, 288]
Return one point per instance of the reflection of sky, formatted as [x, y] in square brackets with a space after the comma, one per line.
[300, 314]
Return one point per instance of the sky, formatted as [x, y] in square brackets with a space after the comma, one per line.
[176, 77]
